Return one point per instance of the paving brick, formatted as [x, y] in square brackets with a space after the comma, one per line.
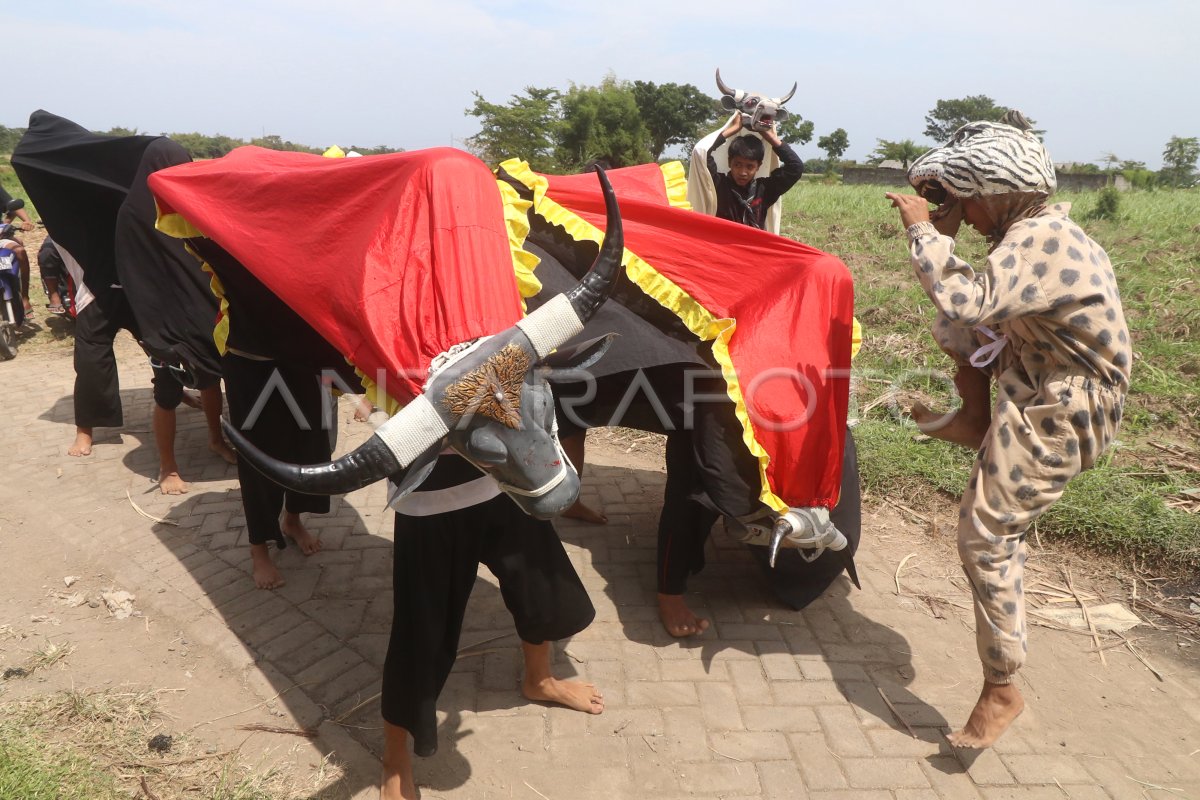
[949, 778]
[626, 722]
[691, 670]
[1045, 769]
[819, 766]
[751, 745]
[750, 682]
[662, 694]
[787, 719]
[806, 693]
[780, 780]
[719, 779]
[842, 731]
[883, 773]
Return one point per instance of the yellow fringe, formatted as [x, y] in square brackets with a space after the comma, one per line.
[516, 221]
[675, 178]
[699, 320]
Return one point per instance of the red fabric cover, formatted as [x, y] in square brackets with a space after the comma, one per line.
[793, 306]
[392, 259]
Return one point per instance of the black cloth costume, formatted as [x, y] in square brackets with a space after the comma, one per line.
[434, 570]
[748, 205]
[709, 472]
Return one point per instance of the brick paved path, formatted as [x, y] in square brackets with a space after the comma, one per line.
[769, 703]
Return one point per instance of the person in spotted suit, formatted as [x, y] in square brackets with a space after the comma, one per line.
[1043, 319]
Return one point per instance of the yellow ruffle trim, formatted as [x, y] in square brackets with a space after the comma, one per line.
[675, 178]
[667, 293]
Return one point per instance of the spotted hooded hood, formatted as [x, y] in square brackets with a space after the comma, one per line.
[983, 159]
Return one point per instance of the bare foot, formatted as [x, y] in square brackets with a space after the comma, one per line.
[223, 449]
[266, 574]
[398, 782]
[677, 618]
[585, 513]
[965, 430]
[295, 530]
[363, 410]
[572, 694]
[171, 483]
[997, 707]
[82, 446]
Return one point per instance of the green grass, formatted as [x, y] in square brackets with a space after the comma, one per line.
[1120, 506]
[28, 771]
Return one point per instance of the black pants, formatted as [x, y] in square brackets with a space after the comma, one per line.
[436, 560]
[97, 388]
[276, 431]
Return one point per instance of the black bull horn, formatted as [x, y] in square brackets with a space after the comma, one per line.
[420, 425]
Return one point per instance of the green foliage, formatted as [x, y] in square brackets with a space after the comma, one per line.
[905, 151]
[201, 145]
[601, 122]
[950, 115]
[9, 138]
[527, 127]
[835, 144]
[1108, 204]
[1179, 161]
[1121, 506]
[673, 113]
[795, 129]
[275, 142]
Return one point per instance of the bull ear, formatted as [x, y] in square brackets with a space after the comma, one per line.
[416, 473]
[579, 356]
[728, 103]
[781, 115]
[485, 447]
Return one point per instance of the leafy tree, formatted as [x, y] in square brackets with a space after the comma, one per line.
[950, 115]
[118, 131]
[9, 138]
[905, 151]
[378, 150]
[602, 122]
[200, 145]
[1179, 161]
[795, 129]
[276, 142]
[672, 113]
[527, 127]
[834, 145]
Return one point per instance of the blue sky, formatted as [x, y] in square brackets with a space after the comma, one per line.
[1099, 76]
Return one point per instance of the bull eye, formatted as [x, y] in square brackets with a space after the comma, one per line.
[485, 448]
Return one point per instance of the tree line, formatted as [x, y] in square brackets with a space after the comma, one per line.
[202, 145]
[623, 123]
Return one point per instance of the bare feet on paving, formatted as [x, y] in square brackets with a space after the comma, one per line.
[398, 782]
[295, 530]
[997, 707]
[171, 483]
[266, 574]
[572, 694]
[223, 449]
[82, 446]
[585, 513]
[363, 410]
[677, 618]
[967, 430]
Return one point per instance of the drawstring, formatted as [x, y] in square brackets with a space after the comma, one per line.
[990, 351]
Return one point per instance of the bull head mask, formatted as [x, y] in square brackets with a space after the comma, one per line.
[487, 399]
[758, 111]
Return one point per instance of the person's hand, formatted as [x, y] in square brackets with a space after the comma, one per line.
[734, 127]
[771, 136]
[26, 226]
[913, 208]
[948, 217]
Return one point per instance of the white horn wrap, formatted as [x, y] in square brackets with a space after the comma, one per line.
[551, 325]
[413, 430]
